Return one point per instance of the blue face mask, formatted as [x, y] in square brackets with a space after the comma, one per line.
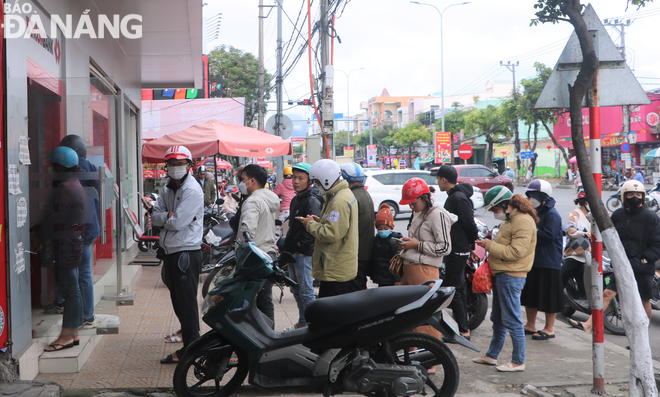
[384, 233]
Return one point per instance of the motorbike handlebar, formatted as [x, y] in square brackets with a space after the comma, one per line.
[279, 276]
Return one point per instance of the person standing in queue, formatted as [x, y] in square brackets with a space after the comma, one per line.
[385, 248]
[463, 235]
[544, 290]
[206, 181]
[179, 211]
[258, 220]
[308, 201]
[285, 191]
[335, 257]
[354, 175]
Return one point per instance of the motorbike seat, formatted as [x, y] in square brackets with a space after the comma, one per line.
[343, 310]
[222, 230]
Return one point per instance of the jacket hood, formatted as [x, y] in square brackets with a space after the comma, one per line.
[313, 191]
[549, 203]
[287, 183]
[269, 198]
[466, 188]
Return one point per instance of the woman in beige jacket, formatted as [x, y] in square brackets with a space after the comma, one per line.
[511, 256]
[428, 239]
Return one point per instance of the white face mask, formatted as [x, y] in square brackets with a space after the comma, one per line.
[242, 187]
[500, 216]
[177, 172]
[535, 202]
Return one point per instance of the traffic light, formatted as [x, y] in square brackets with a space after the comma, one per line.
[305, 102]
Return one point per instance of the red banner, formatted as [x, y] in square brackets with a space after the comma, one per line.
[442, 147]
[149, 174]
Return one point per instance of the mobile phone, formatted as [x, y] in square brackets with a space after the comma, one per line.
[397, 239]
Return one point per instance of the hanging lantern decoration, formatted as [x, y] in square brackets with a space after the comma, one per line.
[549, 147]
[526, 145]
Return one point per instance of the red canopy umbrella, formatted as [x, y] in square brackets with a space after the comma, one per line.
[213, 137]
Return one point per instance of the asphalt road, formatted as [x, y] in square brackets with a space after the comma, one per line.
[565, 205]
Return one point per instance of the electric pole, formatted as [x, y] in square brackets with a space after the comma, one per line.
[516, 134]
[327, 81]
[279, 162]
[619, 26]
[261, 92]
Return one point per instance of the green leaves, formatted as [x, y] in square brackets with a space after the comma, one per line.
[557, 10]
[411, 134]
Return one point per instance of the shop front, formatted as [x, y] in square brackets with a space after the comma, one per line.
[58, 86]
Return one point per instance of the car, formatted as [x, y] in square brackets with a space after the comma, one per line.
[482, 177]
[385, 187]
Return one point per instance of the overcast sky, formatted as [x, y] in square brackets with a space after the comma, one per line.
[398, 44]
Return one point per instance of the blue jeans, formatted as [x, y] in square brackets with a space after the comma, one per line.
[86, 281]
[301, 272]
[506, 316]
[66, 281]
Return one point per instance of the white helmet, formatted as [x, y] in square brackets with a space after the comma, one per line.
[178, 152]
[632, 186]
[325, 172]
[353, 172]
[539, 185]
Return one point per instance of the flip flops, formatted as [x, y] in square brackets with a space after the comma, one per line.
[530, 332]
[169, 360]
[54, 347]
[542, 336]
[575, 324]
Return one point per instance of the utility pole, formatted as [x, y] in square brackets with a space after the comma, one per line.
[516, 138]
[328, 113]
[261, 92]
[279, 162]
[619, 26]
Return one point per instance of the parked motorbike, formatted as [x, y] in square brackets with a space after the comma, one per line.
[578, 297]
[149, 228]
[354, 343]
[218, 238]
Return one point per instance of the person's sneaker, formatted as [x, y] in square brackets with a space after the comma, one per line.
[54, 308]
[89, 323]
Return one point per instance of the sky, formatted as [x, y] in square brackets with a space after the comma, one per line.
[398, 45]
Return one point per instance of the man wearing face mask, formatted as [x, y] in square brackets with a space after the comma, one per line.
[258, 220]
[544, 287]
[639, 231]
[179, 211]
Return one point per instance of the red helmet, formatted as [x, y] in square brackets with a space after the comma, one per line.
[412, 189]
[581, 194]
[179, 153]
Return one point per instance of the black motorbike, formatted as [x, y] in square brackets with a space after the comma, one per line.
[218, 239]
[355, 343]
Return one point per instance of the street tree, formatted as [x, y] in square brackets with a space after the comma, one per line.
[635, 321]
[411, 135]
[239, 73]
[491, 123]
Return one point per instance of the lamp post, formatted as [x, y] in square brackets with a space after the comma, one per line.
[442, 71]
[348, 108]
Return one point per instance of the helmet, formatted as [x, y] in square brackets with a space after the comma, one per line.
[581, 194]
[632, 186]
[302, 167]
[64, 156]
[412, 189]
[539, 185]
[76, 143]
[288, 171]
[202, 169]
[179, 153]
[495, 196]
[352, 172]
[326, 172]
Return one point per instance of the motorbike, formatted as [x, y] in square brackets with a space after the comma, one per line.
[354, 343]
[218, 238]
[149, 228]
[651, 199]
[577, 297]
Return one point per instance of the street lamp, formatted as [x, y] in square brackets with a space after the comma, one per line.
[348, 108]
[442, 71]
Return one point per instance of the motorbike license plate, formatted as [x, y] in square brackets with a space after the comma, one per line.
[449, 320]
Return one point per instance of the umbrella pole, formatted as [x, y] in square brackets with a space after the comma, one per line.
[215, 182]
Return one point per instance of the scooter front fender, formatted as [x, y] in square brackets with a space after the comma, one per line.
[437, 322]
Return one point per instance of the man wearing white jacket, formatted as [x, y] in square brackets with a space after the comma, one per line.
[258, 219]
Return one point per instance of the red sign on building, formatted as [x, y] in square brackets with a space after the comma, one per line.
[442, 147]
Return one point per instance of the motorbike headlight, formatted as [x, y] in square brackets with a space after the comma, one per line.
[211, 301]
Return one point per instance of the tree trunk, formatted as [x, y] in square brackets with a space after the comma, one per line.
[536, 133]
[635, 321]
[560, 147]
[516, 150]
[489, 152]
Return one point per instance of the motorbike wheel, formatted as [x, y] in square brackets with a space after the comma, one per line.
[652, 204]
[209, 373]
[216, 275]
[567, 310]
[477, 307]
[612, 318]
[613, 204]
[421, 349]
[655, 303]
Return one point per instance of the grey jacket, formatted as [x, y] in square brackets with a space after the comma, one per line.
[183, 231]
[258, 218]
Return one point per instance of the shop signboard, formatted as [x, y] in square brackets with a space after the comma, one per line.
[527, 155]
[442, 147]
[349, 151]
[371, 155]
[149, 174]
[161, 174]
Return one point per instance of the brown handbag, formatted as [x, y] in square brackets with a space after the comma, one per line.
[396, 263]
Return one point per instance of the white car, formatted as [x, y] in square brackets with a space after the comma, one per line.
[384, 186]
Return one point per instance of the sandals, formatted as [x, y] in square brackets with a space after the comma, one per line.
[575, 324]
[531, 332]
[542, 336]
[54, 347]
[174, 337]
[169, 360]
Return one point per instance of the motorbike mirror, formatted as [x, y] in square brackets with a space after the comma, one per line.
[248, 238]
[220, 201]
[286, 258]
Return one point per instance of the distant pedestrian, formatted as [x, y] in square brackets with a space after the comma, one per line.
[511, 256]
[354, 175]
[639, 175]
[509, 173]
[529, 176]
[206, 181]
[384, 248]
[285, 191]
[334, 261]
[544, 288]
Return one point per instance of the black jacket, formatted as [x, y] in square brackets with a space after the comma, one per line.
[549, 237]
[366, 222]
[384, 249]
[298, 239]
[464, 231]
[640, 236]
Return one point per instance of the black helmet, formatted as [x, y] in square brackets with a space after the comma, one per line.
[76, 143]
[201, 169]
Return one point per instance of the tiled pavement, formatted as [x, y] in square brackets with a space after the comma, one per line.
[131, 359]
